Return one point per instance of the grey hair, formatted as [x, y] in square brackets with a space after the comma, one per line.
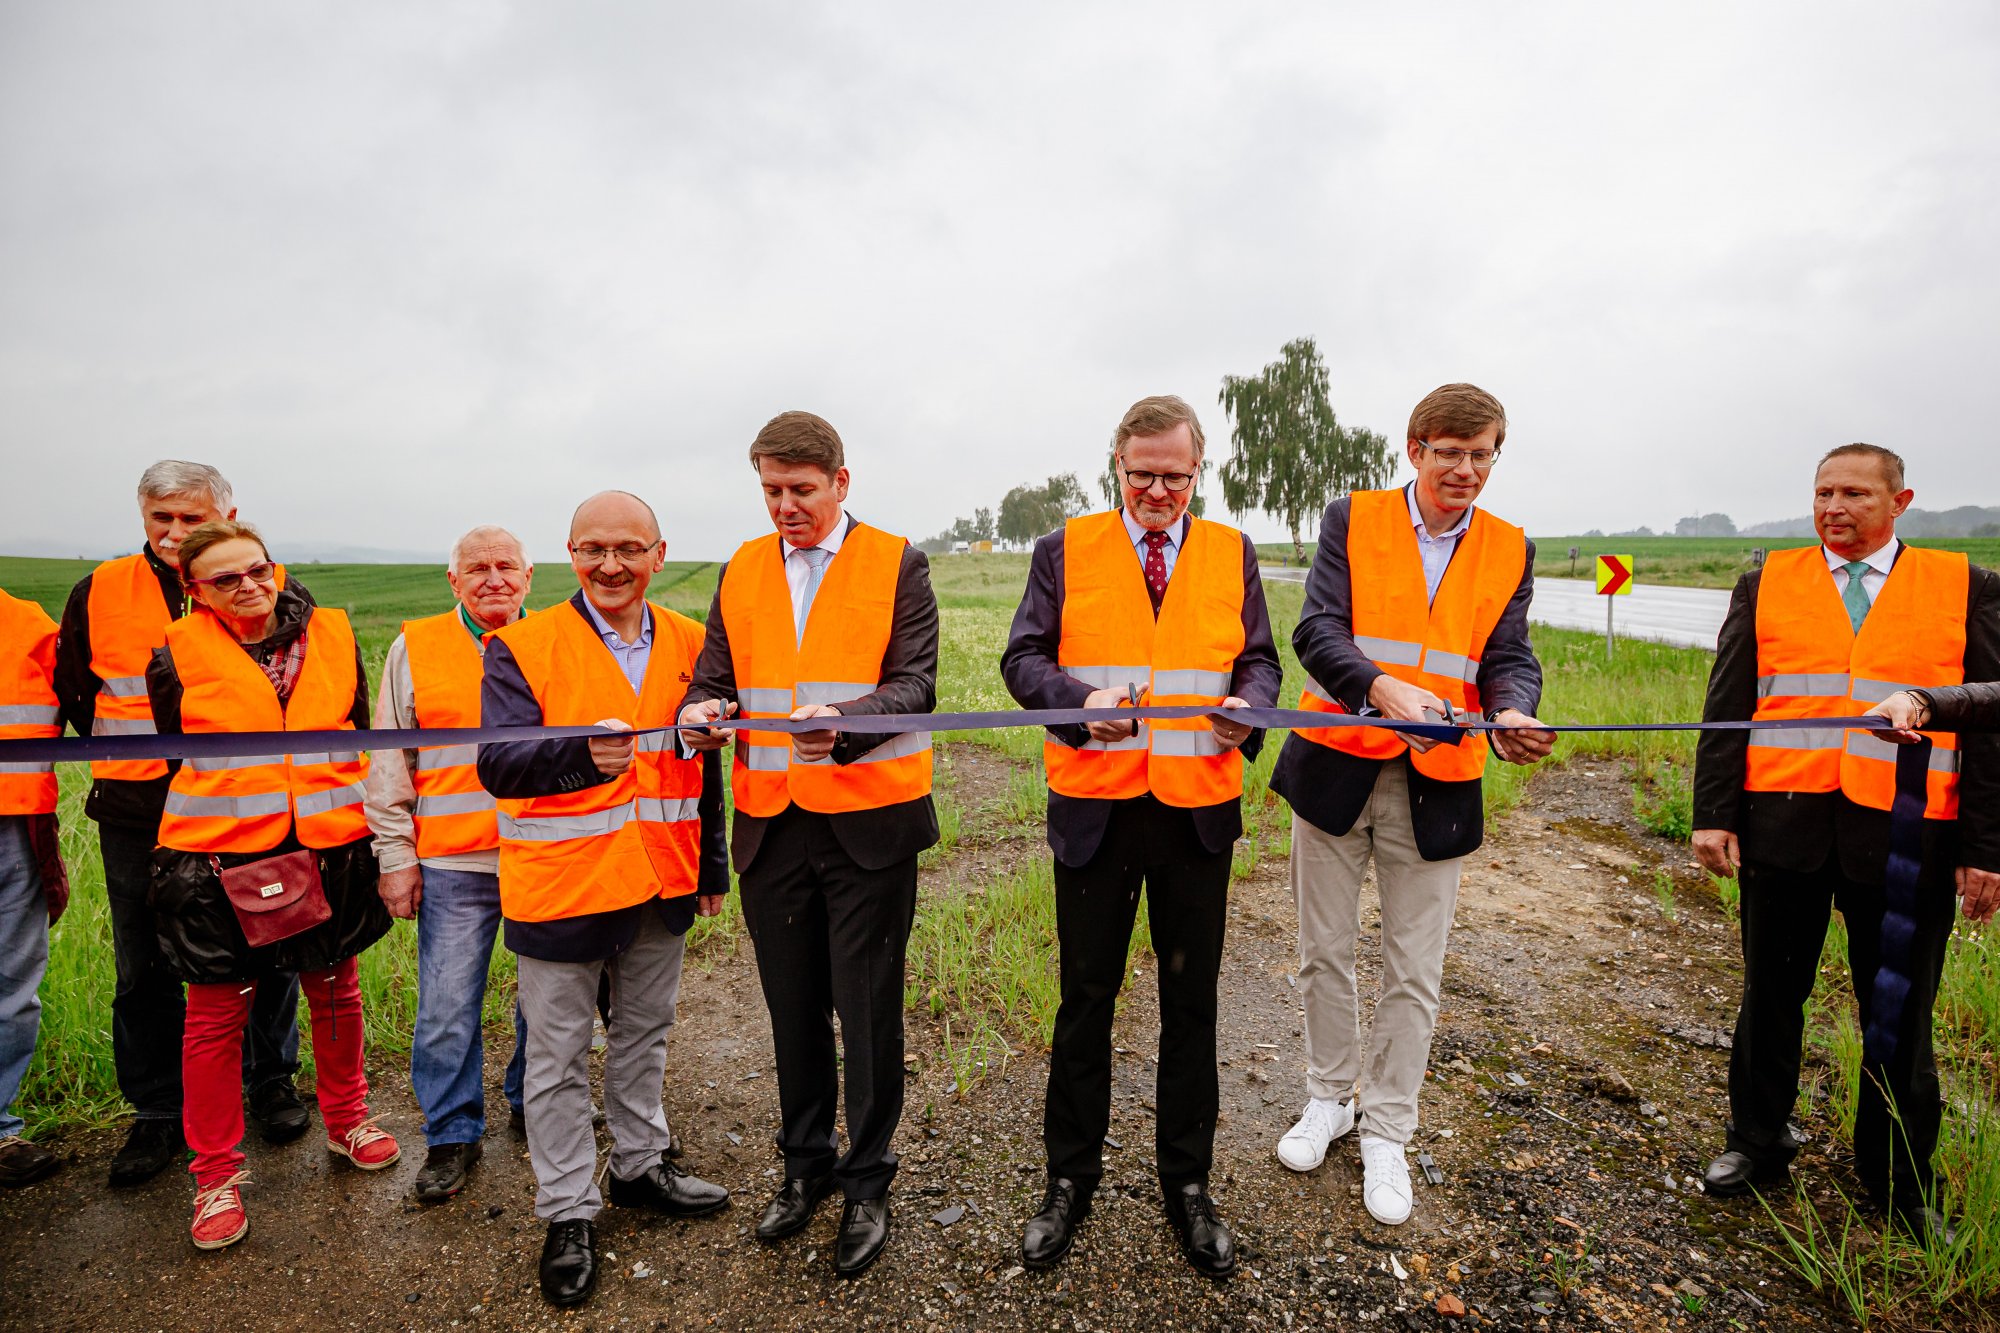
[172, 476]
[485, 532]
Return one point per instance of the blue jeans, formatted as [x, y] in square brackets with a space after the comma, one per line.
[24, 957]
[457, 921]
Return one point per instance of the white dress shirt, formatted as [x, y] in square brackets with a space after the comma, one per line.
[1878, 563]
[1436, 551]
[1170, 550]
[797, 569]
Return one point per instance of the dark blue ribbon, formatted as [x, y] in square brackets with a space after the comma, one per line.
[224, 744]
[1899, 905]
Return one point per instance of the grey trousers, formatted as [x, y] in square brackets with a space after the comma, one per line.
[559, 1000]
[1418, 898]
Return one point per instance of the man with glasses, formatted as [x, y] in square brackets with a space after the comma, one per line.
[826, 616]
[610, 846]
[438, 848]
[1416, 608]
[1142, 604]
[116, 616]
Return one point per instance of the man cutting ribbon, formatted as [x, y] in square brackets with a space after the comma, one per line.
[1802, 816]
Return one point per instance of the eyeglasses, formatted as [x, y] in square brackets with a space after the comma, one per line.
[630, 553]
[257, 573]
[1481, 458]
[1143, 481]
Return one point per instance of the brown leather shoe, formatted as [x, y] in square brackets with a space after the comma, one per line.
[24, 1163]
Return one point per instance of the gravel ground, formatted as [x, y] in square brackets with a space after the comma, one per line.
[1576, 1095]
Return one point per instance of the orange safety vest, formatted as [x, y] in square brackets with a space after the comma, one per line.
[454, 814]
[620, 842]
[128, 620]
[838, 661]
[247, 803]
[1812, 663]
[1187, 655]
[1436, 642]
[27, 703]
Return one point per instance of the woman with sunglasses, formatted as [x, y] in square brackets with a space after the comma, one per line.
[254, 655]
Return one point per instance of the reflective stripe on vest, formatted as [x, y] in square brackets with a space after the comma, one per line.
[1812, 663]
[838, 661]
[1185, 655]
[620, 842]
[128, 615]
[247, 803]
[27, 703]
[454, 814]
[1434, 642]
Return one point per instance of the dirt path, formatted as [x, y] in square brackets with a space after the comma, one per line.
[1578, 1075]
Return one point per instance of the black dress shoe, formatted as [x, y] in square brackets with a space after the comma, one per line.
[149, 1149]
[864, 1230]
[277, 1111]
[1926, 1226]
[1204, 1239]
[24, 1163]
[1737, 1173]
[1045, 1241]
[665, 1188]
[446, 1166]
[793, 1206]
[517, 1120]
[569, 1262]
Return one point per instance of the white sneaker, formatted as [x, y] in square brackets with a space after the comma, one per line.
[1385, 1181]
[1304, 1146]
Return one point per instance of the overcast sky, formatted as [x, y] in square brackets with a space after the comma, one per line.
[398, 269]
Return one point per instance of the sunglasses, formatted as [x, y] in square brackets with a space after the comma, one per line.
[262, 572]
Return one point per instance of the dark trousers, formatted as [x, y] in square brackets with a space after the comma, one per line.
[1784, 915]
[148, 1006]
[830, 937]
[1187, 895]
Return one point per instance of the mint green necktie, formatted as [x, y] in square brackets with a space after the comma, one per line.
[1856, 595]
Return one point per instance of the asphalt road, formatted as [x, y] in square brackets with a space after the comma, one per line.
[1686, 617]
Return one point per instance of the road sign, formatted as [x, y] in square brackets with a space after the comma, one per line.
[1615, 575]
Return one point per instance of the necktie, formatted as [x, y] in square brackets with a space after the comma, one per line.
[1156, 568]
[815, 558]
[1855, 595]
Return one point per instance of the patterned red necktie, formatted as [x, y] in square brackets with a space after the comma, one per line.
[1156, 568]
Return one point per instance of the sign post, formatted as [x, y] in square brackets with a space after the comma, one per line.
[1614, 579]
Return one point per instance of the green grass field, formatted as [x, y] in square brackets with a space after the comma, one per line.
[1683, 562]
[982, 956]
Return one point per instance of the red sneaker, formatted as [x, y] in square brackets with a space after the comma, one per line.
[219, 1219]
[367, 1145]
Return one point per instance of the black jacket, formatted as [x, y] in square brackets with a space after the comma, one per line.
[1036, 680]
[197, 927]
[879, 838]
[518, 770]
[1796, 831]
[1328, 788]
[1974, 707]
[114, 801]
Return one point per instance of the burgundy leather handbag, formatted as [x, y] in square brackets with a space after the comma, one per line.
[277, 897]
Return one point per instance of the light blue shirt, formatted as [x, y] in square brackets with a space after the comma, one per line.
[1170, 552]
[632, 657]
[1436, 551]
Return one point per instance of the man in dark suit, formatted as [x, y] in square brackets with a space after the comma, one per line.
[1801, 817]
[1416, 606]
[827, 616]
[1144, 601]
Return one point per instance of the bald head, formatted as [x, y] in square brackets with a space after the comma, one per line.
[614, 509]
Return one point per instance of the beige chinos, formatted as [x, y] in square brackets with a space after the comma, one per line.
[1418, 898]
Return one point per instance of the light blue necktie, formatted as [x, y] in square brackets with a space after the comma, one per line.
[815, 558]
[1855, 595]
